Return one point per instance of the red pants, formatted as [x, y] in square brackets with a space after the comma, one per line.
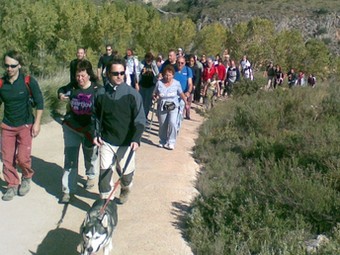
[16, 146]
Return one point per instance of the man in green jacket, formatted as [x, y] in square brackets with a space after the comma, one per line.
[19, 126]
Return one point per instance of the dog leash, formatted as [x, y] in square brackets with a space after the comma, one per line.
[120, 173]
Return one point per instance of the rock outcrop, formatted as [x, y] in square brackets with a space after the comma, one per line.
[159, 3]
[325, 27]
[323, 24]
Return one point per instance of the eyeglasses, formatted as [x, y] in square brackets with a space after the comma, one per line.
[11, 66]
[181, 63]
[117, 73]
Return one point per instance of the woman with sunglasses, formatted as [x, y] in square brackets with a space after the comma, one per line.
[167, 92]
[19, 125]
[76, 129]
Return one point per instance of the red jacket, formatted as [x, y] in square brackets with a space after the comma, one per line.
[208, 73]
[221, 70]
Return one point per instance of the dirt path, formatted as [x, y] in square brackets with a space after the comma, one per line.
[149, 223]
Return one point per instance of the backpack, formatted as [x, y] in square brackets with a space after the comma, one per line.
[27, 83]
[147, 77]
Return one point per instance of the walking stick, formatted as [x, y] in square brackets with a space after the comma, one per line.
[153, 109]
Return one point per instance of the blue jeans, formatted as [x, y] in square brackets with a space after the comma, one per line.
[146, 94]
[72, 142]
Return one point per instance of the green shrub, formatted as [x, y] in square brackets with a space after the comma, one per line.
[49, 86]
[270, 177]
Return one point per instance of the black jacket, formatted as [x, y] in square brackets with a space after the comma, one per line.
[119, 117]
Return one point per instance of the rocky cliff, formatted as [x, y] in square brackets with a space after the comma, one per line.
[317, 21]
[325, 26]
[159, 3]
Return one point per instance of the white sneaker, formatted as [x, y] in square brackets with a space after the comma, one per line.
[160, 145]
[169, 146]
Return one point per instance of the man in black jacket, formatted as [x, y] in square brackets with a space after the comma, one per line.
[103, 61]
[118, 125]
[81, 54]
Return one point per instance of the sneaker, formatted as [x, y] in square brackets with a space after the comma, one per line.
[124, 193]
[25, 186]
[169, 146]
[90, 183]
[65, 199]
[10, 193]
[160, 145]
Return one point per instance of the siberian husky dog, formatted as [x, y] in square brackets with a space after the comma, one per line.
[98, 227]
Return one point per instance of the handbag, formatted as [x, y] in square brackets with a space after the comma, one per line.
[169, 106]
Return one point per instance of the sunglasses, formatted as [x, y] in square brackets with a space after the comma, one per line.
[118, 73]
[11, 66]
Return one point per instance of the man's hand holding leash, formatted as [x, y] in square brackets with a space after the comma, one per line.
[134, 146]
[98, 141]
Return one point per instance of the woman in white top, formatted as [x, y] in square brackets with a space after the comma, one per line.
[167, 91]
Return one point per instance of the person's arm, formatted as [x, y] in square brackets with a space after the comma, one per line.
[36, 124]
[190, 88]
[64, 92]
[99, 73]
[95, 127]
[39, 102]
[184, 97]
[139, 120]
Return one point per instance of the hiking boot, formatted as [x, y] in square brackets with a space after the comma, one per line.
[10, 193]
[25, 186]
[90, 183]
[65, 199]
[124, 193]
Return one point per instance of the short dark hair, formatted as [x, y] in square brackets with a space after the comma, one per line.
[148, 56]
[168, 68]
[85, 65]
[115, 61]
[15, 55]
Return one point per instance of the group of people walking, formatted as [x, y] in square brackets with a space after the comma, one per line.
[275, 77]
[108, 111]
[106, 120]
[106, 116]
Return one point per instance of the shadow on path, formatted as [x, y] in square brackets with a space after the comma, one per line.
[180, 211]
[59, 241]
[48, 176]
